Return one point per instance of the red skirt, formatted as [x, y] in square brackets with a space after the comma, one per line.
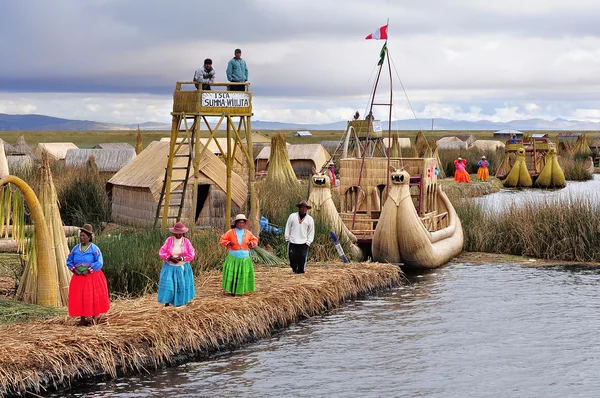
[88, 295]
[461, 176]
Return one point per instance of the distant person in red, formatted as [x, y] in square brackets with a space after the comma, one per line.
[482, 172]
[331, 168]
[460, 173]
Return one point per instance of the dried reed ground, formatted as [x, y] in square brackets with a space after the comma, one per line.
[140, 334]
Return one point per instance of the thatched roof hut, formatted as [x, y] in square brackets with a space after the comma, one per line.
[403, 142]
[8, 148]
[108, 161]
[489, 145]
[16, 162]
[113, 146]
[56, 150]
[21, 148]
[303, 158]
[452, 143]
[136, 188]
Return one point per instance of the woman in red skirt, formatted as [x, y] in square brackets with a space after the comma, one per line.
[88, 291]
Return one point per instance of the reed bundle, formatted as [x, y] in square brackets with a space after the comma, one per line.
[582, 147]
[139, 142]
[140, 335]
[3, 162]
[280, 169]
[395, 150]
[56, 242]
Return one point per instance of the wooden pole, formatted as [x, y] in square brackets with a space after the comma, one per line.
[387, 184]
[254, 205]
[167, 197]
[229, 164]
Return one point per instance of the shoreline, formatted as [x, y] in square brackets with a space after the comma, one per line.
[140, 335]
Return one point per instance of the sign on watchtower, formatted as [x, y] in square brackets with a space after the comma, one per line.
[203, 119]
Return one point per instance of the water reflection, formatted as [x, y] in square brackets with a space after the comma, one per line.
[493, 330]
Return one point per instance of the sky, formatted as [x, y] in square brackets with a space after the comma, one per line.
[118, 60]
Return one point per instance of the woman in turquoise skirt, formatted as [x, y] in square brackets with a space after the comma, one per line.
[238, 270]
[176, 285]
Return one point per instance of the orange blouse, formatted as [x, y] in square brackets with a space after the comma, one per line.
[230, 236]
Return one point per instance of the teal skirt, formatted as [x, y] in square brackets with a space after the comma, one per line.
[238, 275]
[176, 285]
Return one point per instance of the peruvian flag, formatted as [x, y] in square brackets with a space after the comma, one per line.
[379, 34]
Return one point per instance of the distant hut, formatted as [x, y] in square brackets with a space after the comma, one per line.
[302, 157]
[57, 151]
[8, 148]
[445, 143]
[568, 137]
[108, 161]
[505, 134]
[113, 146]
[304, 133]
[21, 156]
[135, 189]
[489, 145]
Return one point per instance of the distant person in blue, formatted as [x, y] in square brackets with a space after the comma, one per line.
[237, 71]
[513, 139]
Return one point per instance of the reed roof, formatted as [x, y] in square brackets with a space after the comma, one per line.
[108, 161]
[147, 170]
[489, 145]
[403, 141]
[55, 150]
[315, 152]
[113, 145]
[8, 148]
[21, 147]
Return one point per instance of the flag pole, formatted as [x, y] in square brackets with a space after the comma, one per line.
[369, 125]
[387, 185]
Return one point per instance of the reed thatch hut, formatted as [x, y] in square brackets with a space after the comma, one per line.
[136, 188]
[21, 148]
[8, 148]
[57, 151]
[302, 157]
[489, 145]
[113, 146]
[108, 161]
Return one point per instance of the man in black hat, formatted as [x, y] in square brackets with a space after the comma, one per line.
[299, 233]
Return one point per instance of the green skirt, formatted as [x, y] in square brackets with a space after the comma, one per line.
[238, 275]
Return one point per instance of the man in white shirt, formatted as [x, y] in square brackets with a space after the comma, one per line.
[299, 233]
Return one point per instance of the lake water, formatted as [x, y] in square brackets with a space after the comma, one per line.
[459, 331]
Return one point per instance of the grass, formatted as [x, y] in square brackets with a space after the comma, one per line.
[550, 229]
[13, 311]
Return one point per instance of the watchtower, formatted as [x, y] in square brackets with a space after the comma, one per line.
[363, 138]
[197, 113]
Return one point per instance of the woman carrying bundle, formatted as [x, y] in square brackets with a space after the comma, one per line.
[460, 174]
[482, 171]
[88, 290]
[176, 284]
[238, 270]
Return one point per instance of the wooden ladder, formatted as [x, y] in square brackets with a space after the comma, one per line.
[183, 148]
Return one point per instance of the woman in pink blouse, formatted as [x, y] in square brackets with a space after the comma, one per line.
[176, 285]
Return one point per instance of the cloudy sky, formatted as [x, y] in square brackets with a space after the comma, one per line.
[118, 60]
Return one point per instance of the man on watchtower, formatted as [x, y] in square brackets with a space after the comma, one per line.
[237, 71]
[205, 75]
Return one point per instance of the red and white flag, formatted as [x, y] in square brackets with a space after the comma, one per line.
[379, 34]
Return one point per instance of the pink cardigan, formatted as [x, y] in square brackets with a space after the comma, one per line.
[187, 250]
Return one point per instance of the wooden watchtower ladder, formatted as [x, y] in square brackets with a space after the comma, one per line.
[198, 114]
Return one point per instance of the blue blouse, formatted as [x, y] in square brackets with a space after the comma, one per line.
[239, 253]
[91, 257]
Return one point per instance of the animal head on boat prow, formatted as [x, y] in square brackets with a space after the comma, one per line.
[521, 152]
[321, 180]
[400, 177]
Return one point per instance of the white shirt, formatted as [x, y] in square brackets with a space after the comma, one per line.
[176, 250]
[298, 231]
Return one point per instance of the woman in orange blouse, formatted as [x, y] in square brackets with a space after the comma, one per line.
[238, 270]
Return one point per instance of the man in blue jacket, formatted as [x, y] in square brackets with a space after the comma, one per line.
[237, 71]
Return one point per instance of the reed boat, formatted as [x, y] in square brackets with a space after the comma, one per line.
[402, 217]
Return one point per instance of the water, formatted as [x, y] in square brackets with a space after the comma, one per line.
[459, 331]
[574, 189]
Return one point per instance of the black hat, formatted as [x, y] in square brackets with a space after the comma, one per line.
[208, 61]
[237, 50]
